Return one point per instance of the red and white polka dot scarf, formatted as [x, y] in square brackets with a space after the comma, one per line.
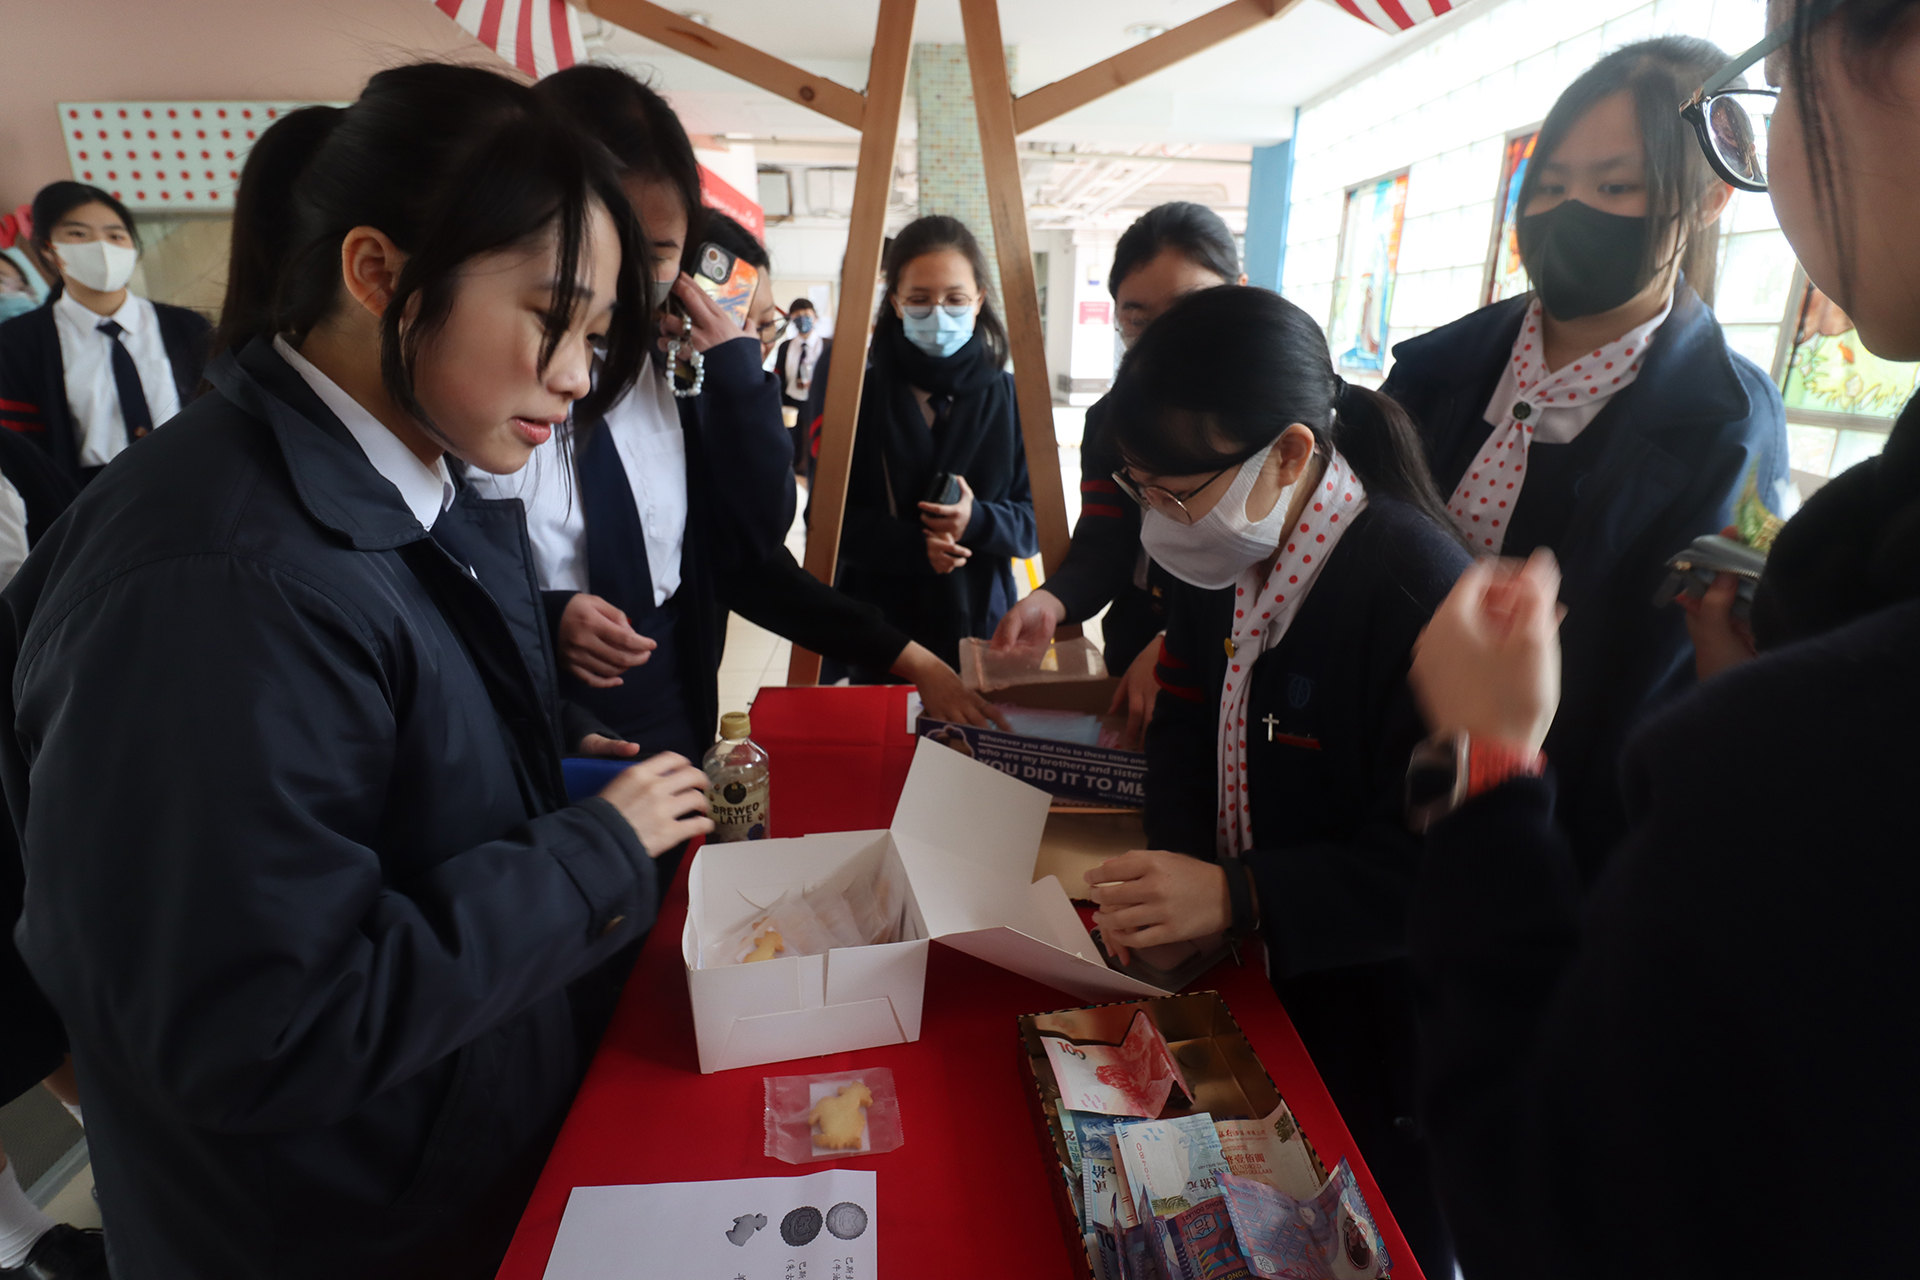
[1483, 504]
[1263, 608]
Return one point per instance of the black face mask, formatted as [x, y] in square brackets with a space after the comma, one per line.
[1583, 261]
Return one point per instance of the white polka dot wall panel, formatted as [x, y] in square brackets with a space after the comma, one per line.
[180, 157]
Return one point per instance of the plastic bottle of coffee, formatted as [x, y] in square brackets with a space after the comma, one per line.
[737, 767]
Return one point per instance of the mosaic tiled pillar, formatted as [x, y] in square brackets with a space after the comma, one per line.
[952, 180]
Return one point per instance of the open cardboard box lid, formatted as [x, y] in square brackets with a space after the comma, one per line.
[969, 837]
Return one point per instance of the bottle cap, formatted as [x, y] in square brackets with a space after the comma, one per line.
[735, 726]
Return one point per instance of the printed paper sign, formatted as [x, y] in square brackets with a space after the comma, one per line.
[821, 1226]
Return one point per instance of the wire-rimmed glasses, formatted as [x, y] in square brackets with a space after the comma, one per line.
[1149, 496]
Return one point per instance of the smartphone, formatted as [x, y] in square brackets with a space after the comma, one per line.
[726, 279]
[945, 489]
[1694, 570]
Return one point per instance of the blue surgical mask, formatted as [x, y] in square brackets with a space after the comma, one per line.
[803, 323]
[15, 304]
[939, 332]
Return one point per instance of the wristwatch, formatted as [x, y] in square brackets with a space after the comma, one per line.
[1449, 769]
[1245, 920]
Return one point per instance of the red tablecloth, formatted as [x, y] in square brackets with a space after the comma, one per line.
[967, 1194]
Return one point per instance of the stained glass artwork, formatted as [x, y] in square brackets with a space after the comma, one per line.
[1828, 370]
[1508, 278]
[1369, 265]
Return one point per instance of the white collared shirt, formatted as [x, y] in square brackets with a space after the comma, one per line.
[646, 433]
[427, 490]
[86, 354]
[1563, 424]
[13, 531]
[802, 355]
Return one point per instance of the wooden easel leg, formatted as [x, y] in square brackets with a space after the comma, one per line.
[993, 106]
[853, 326]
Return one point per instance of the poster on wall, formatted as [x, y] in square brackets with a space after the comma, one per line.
[1369, 263]
[1506, 277]
[166, 156]
[1828, 371]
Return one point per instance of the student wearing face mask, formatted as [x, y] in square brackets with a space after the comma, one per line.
[938, 503]
[100, 367]
[22, 287]
[676, 508]
[1603, 416]
[312, 956]
[1169, 252]
[1751, 939]
[1310, 547]
[795, 362]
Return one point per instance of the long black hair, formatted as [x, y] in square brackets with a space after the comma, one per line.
[1193, 229]
[1659, 75]
[932, 234]
[634, 122]
[1224, 371]
[58, 199]
[450, 163]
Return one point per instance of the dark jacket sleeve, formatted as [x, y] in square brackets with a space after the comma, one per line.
[787, 600]
[233, 927]
[188, 337]
[1650, 660]
[1106, 538]
[1005, 527]
[1327, 904]
[22, 380]
[746, 455]
[1493, 929]
[871, 536]
[1182, 753]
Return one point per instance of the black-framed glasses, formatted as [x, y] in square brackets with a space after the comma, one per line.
[1149, 496]
[1732, 123]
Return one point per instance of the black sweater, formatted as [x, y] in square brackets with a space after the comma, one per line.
[1671, 453]
[1710, 1067]
[1105, 560]
[303, 882]
[33, 380]
[1332, 854]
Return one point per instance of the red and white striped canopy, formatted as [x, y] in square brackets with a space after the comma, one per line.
[538, 36]
[1396, 15]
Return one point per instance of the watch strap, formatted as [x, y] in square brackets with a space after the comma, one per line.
[1491, 763]
[1240, 902]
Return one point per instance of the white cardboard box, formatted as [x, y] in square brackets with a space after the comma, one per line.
[964, 838]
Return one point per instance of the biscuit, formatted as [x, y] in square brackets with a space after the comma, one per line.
[840, 1119]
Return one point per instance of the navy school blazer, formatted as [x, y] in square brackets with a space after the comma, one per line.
[1682, 441]
[33, 379]
[1330, 725]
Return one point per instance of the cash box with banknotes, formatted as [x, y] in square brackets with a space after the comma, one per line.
[956, 865]
[1172, 1155]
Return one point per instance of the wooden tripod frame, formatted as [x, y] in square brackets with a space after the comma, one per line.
[876, 113]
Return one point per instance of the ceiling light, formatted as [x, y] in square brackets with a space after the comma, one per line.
[700, 16]
[1140, 32]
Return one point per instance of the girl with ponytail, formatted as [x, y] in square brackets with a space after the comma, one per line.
[1311, 547]
[311, 948]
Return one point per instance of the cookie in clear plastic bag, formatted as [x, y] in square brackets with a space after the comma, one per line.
[832, 1116]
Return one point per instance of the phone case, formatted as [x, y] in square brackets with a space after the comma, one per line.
[728, 280]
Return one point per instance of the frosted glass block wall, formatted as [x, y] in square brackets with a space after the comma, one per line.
[1442, 114]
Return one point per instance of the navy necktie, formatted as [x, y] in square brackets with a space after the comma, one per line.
[617, 569]
[134, 413]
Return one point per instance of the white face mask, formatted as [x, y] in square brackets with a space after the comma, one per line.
[1216, 549]
[98, 264]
